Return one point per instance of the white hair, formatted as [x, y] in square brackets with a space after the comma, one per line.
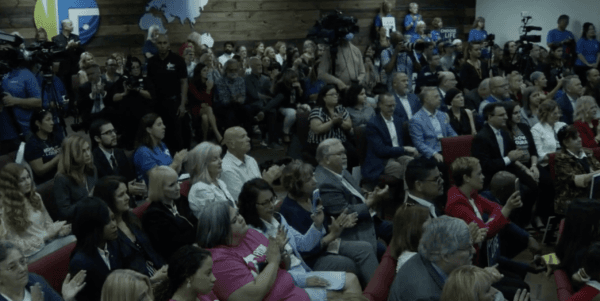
[151, 29]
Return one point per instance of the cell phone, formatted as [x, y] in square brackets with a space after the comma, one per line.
[517, 185]
[315, 200]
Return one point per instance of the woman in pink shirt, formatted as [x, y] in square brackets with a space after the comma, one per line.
[248, 266]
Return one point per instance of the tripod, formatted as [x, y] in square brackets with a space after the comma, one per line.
[57, 109]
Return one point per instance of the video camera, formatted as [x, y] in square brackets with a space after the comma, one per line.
[333, 28]
[525, 30]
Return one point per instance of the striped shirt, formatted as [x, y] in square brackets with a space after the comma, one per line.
[323, 116]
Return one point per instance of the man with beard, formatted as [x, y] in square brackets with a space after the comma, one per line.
[593, 84]
[110, 160]
[229, 46]
[168, 73]
[231, 96]
[499, 90]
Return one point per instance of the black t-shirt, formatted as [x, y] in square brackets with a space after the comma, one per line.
[166, 75]
[36, 148]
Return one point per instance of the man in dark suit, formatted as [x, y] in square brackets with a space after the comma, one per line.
[407, 104]
[386, 153]
[425, 185]
[445, 246]
[474, 97]
[573, 90]
[339, 191]
[94, 101]
[592, 88]
[497, 151]
[112, 161]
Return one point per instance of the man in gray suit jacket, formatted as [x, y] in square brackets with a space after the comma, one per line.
[445, 245]
[340, 191]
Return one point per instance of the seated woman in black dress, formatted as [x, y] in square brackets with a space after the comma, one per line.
[97, 251]
[136, 250]
[168, 221]
[42, 148]
[461, 119]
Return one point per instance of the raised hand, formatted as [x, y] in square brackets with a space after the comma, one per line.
[71, 287]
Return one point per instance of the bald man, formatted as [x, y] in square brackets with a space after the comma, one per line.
[499, 91]
[238, 167]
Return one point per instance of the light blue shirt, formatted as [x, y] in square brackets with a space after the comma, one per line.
[436, 123]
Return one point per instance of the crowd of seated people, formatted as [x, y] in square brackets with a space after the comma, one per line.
[226, 235]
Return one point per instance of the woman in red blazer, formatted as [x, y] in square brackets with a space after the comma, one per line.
[586, 122]
[465, 203]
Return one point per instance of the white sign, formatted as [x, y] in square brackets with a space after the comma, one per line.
[448, 34]
[389, 23]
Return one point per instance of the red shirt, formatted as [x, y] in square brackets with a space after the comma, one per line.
[458, 206]
[586, 133]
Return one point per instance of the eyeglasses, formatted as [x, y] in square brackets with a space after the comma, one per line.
[109, 132]
[333, 94]
[437, 179]
[272, 201]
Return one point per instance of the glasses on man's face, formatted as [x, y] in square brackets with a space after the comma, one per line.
[109, 132]
[333, 94]
[271, 202]
[437, 179]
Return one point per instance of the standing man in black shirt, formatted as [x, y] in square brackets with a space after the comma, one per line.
[168, 72]
[69, 62]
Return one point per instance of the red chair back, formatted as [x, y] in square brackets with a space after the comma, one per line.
[184, 188]
[564, 289]
[596, 151]
[455, 147]
[139, 210]
[46, 191]
[54, 267]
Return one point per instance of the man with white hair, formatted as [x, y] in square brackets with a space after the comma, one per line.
[573, 90]
[499, 91]
[339, 191]
[447, 81]
[444, 246]
[474, 97]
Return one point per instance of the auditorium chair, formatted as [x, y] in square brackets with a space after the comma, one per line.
[54, 267]
[184, 188]
[46, 191]
[302, 128]
[8, 158]
[139, 210]
[453, 148]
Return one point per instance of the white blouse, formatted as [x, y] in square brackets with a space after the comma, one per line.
[201, 193]
[545, 139]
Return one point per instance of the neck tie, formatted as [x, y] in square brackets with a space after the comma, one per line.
[114, 164]
[500, 142]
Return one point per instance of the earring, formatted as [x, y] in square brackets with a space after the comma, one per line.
[189, 284]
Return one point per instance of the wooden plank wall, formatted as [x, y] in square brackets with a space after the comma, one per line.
[244, 21]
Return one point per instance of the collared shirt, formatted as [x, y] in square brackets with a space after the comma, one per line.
[573, 101]
[442, 93]
[405, 104]
[108, 155]
[236, 172]
[224, 58]
[424, 203]
[230, 89]
[271, 231]
[392, 129]
[581, 154]
[500, 140]
[435, 122]
[440, 272]
[105, 255]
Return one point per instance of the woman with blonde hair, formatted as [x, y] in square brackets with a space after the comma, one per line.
[85, 60]
[586, 121]
[471, 283]
[127, 285]
[271, 54]
[204, 164]
[25, 217]
[280, 50]
[76, 176]
[168, 217]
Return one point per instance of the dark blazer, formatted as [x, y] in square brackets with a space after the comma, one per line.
[85, 104]
[125, 169]
[49, 293]
[136, 254]
[168, 232]
[567, 109]
[96, 270]
[415, 105]
[416, 280]
[485, 148]
[336, 198]
[379, 146]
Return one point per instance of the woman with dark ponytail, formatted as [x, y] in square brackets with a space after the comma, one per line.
[190, 276]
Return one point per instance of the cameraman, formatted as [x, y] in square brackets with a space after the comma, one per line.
[560, 35]
[395, 59]
[21, 95]
[133, 97]
[349, 65]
